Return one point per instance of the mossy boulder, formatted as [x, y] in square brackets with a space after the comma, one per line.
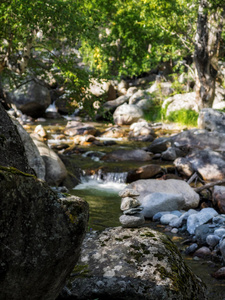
[120, 263]
[41, 236]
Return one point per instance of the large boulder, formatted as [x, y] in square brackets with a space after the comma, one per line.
[209, 164]
[12, 152]
[212, 120]
[139, 264]
[180, 101]
[55, 170]
[41, 237]
[127, 114]
[32, 99]
[171, 186]
[190, 139]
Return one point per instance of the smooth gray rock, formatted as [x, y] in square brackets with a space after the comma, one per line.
[167, 218]
[130, 221]
[171, 186]
[157, 202]
[55, 170]
[139, 264]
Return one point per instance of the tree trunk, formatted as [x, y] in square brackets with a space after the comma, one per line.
[207, 42]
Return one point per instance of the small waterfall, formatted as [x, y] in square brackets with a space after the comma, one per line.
[108, 177]
[111, 182]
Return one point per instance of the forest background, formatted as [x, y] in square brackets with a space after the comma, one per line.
[71, 42]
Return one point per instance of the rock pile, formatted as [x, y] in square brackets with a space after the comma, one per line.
[130, 205]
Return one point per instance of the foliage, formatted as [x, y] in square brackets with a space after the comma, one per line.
[38, 39]
[132, 36]
[184, 117]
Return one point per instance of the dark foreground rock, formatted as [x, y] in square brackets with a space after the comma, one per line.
[40, 236]
[132, 264]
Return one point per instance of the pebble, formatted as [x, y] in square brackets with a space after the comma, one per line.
[128, 202]
[203, 252]
[191, 249]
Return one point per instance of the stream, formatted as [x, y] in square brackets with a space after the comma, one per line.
[100, 189]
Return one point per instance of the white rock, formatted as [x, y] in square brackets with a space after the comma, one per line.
[167, 218]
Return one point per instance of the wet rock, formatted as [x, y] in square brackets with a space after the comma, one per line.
[212, 240]
[157, 202]
[219, 198]
[171, 186]
[132, 221]
[144, 172]
[191, 249]
[202, 232]
[219, 274]
[158, 215]
[133, 264]
[127, 114]
[200, 218]
[203, 252]
[160, 144]
[127, 155]
[41, 237]
[78, 128]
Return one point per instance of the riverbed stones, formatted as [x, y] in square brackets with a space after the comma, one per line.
[133, 264]
[171, 186]
[41, 237]
[195, 220]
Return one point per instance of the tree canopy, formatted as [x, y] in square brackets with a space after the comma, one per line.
[74, 40]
